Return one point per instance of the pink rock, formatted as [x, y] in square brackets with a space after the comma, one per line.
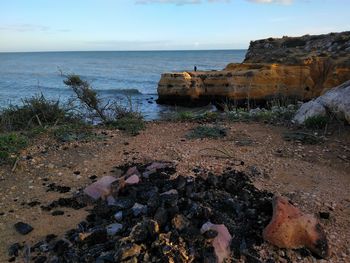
[221, 242]
[101, 188]
[110, 200]
[156, 166]
[134, 179]
[148, 173]
[131, 171]
[291, 228]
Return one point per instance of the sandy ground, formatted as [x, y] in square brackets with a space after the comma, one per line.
[315, 177]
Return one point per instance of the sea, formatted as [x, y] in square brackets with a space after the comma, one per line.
[115, 75]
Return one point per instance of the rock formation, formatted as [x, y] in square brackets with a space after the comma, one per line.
[295, 68]
[336, 101]
[291, 228]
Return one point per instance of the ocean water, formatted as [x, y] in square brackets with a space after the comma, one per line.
[115, 75]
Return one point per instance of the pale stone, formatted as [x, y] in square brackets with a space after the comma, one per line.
[335, 101]
[221, 242]
[101, 188]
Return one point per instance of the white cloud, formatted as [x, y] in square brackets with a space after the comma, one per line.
[24, 27]
[186, 2]
[30, 28]
[179, 2]
[284, 2]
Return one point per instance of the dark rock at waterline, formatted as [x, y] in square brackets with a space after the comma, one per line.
[23, 228]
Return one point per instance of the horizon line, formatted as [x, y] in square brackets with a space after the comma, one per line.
[148, 50]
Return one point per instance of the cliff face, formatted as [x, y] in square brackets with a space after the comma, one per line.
[298, 50]
[300, 68]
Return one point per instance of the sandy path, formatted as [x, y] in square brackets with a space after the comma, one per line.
[313, 176]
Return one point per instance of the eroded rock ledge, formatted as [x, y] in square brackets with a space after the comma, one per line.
[296, 68]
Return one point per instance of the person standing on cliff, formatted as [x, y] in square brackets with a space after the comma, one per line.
[195, 68]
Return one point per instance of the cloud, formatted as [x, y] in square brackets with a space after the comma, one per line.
[127, 42]
[179, 2]
[30, 28]
[187, 2]
[284, 2]
[25, 28]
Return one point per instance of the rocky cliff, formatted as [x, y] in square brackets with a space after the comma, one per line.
[301, 50]
[290, 67]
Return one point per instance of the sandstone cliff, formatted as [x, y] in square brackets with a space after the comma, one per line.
[300, 68]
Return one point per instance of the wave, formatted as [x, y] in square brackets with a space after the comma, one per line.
[44, 89]
[120, 91]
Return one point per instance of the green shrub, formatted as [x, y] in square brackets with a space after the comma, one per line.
[276, 114]
[185, 116]
[111, 112]
[210, 116]
[35, 112]
[118, 111]
[303, 137]
[316, 122]
[130, 125]
[73, 132]
[263, 116]
[10, 145]
[238, 115]
[86, 96]
[214, 132]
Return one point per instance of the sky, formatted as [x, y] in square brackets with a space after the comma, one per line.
[91, 25]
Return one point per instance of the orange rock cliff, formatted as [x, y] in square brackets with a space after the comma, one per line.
[299, 68]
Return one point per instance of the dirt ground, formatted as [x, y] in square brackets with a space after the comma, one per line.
[315, 177]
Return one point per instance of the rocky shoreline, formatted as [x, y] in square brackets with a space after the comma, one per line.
[298, 68]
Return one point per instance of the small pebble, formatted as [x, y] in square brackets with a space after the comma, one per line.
[57, 213]
[23, 228]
